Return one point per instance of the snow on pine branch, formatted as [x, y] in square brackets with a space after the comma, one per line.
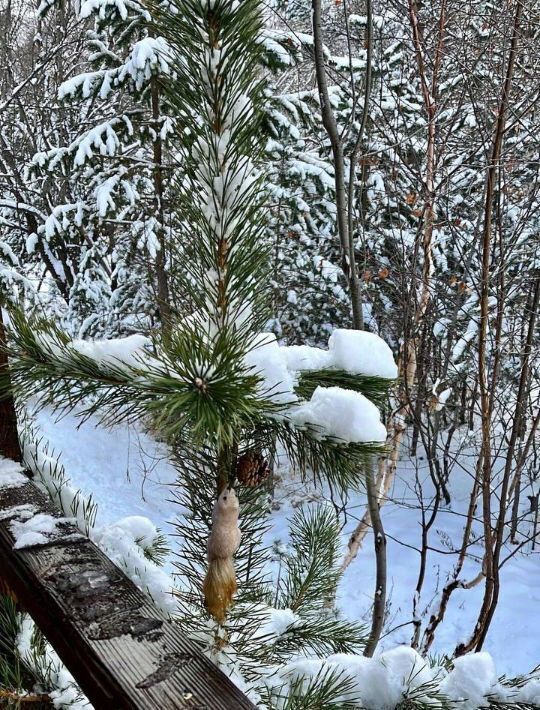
[106, 8]
[221, 195]
[103, 139]
[354, 351]
[44, 663]
[331, 412]
[400, 676]
[149, 56]
[344, 415]
[336, 409]
[129, 352]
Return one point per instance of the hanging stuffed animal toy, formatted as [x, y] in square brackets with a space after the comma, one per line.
[219, 584]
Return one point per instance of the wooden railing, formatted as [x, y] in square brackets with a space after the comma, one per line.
[121, 650]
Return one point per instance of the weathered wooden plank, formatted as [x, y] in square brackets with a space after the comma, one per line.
[120, 648]
[9, 437]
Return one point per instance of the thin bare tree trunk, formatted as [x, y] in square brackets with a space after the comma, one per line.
[492, 545]
[385, 475]
[160, 266]
[348, 259]
[407, 362]
[353, 158]
[455, 583]
[520, 406]
[345, 204]
[379, 601]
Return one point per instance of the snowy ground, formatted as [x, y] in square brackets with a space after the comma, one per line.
[127, 473]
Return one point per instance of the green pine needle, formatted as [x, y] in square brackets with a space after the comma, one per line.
[374, 388]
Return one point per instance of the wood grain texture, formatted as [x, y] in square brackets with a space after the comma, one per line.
[121, 649]
[9, 437]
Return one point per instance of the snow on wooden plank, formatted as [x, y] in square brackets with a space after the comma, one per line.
[120, 648]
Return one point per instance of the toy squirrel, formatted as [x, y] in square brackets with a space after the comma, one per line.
[219, 584]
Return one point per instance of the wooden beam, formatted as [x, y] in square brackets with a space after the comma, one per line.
[9, 436]
[122, 651]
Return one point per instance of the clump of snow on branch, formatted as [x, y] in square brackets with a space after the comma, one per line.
[266, 358]
[332, 412]
[126, 351]
[385, 682]
[149, 56]
[341, 414]
[129, 352]
[361, 353]
[354, 351]
[472, 680]
[305, 357]
[274, 622]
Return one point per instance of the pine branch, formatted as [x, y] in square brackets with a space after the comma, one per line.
[328, 459]
[195, 391]
[374, 388]
[321, 633]
[328, 690]
[193, 386]
[217, 99]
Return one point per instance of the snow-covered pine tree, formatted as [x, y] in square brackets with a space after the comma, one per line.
[311, 292]
[220, 389]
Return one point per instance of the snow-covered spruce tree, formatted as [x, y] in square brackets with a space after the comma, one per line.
[309, 296]
[116, 215]
[39, 50]
[311, 290]
[218, 388]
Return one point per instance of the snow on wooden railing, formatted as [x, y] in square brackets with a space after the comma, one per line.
[120, 648]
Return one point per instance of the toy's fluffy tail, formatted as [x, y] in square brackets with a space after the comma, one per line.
[219, 587]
